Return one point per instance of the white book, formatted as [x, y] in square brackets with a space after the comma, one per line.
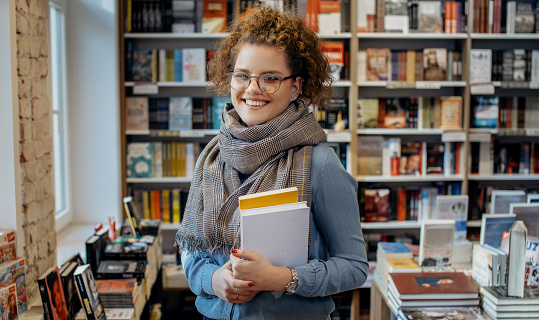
[362, 65]
[484, 266]
[180, 113]
[480, 65]
[436, 243]
[280, 233]
[454, 207]
[535, 66]
[189, 158]
[162, 65]
[501, 200]
[329, 23]
[194, 65]
[493, 226]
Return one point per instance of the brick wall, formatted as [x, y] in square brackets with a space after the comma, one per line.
[36, 156]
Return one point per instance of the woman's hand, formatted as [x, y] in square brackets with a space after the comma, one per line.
[255, 267]
[230, 289]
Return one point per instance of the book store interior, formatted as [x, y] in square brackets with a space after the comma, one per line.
[383, 166]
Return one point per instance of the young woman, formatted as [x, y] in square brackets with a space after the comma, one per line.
[273, 68]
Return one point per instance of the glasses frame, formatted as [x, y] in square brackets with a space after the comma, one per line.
[281, 79]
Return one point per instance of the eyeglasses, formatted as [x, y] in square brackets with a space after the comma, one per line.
[268, 83]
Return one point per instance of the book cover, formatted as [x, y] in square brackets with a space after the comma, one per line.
[126, 251]
[400, 264]
[524, 18]
[52, 294]
[377, 205]
[436, 243]
[395, 114]
[434, 63]
[367, 113]
[435, 157]
[268, 198]
[334, 51]
[394, 249]
[501, 200]
[369, 155]
[8, 248]
[393, 156]
[93, 252]
[214, 16]
[280, 233]
[493, 226]
[396, 16]
[454, 207]
[378, 64]
[433, 285]
[87, 292]
[527, 213]
[366, 15]
[485, 112]
[70, 292]
[194, 64]
[14, 272]
[329, 17]
[480, 65]
[219, 105]
[411, 157]
[139, 160]
[429, 16]
[118, 269]
[8, 302]
[485, 266]
[451, 112]
[142, 65]
[180, 113]
[136, 114]
[336, 114]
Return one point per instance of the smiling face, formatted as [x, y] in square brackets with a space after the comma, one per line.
[253, 105]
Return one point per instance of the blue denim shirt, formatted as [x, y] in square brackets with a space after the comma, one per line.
[337, 260]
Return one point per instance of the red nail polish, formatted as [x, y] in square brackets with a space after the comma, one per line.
[233, 250]
[251, 284]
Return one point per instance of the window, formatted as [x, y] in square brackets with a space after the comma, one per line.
[59, 110]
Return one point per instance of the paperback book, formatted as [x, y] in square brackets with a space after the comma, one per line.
[87, 292]
[454, 207]
[493, 226]
[433, 286]
[52, 295]
[121, 269]
[436, 243]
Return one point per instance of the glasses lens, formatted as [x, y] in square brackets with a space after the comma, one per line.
[269, 83]
[238, 80]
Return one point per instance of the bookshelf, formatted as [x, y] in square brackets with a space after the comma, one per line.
[354, 88]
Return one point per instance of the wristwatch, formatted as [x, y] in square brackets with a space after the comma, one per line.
[290, 288]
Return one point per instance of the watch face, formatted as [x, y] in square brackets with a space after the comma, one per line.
[291, 287]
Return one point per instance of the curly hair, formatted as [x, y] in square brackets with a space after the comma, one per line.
[284, 31]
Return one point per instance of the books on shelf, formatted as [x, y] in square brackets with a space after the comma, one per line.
[480, 65]
[434, 62]
[136, 114]
[279, 232]
[429, 16]
[377, 206]
[370, 155]
[214, 16]
[329, 17]
[485, 112]
[334, 114]
[335, 51]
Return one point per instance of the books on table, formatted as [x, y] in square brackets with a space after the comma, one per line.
[398, 253]
[499, 305]
[88, 295]
[279, 232]
[488, 265]
[449, 313]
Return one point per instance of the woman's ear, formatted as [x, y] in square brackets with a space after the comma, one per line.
[296, 87]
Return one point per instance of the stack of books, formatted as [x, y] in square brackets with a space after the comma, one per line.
[436, 289]
[121, 293]
[400, 260]
[446, 313]
[489, 265]
[498, 305]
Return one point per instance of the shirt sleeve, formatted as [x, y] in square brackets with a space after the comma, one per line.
[199, 270]
[336, 215]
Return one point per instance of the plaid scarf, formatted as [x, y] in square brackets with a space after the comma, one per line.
[274, 155]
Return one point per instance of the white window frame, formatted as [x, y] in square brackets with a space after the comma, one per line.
[64, 214]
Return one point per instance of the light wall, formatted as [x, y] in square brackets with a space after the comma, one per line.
[93, 114]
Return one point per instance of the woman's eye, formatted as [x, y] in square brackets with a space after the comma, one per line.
[270, 78]
[241, 76]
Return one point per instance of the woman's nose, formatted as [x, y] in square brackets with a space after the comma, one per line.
[253, 86]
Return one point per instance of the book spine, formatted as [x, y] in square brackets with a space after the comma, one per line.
[45, 299]
[83, 296]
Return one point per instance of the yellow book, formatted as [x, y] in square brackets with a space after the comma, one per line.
[268, 198]
[176, 206]
[401, 264]
[146, 204]
[174, 160]
[165, 205]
